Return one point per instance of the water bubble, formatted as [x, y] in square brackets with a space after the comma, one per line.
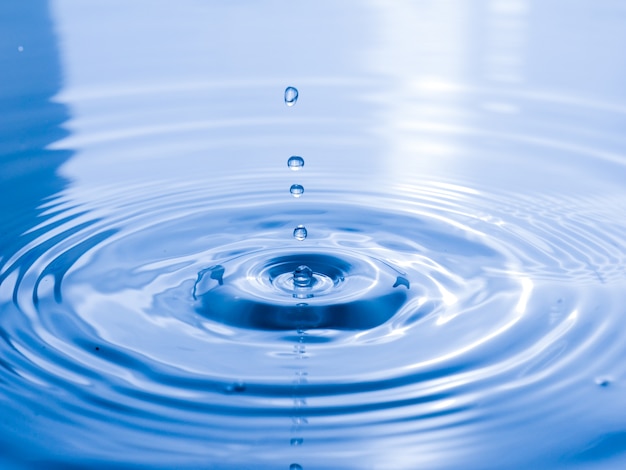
[299, 233]
[295, 163]
[295, 466]
[302, 276]
[296, 190]
[291, 95]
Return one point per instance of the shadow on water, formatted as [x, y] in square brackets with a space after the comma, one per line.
[30, 75]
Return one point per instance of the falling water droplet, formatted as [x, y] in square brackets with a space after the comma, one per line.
[20, 48]
[291, 95]
[295, 466]
[297, 441]
[302, 276]
[295, 163]
[296, 190]
[299, 233]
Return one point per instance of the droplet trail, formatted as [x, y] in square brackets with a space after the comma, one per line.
[291, 95]
[295, 163]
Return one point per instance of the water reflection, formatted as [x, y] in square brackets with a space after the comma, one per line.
[30, 76]
[182, 139]
[30, 121]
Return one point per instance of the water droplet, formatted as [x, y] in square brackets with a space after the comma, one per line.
[603, 381]
[236, 387]
[302, 276]
[295, 466]
[20, 48]
[296, 190]
[296, 441]
[291, 95]
[295, 162]
[299, 233]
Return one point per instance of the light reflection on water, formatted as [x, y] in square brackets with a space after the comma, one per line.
[464, 205]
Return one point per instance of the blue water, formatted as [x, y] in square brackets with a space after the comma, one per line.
[458, 300]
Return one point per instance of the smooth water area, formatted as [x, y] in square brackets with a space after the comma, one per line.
[449, 291]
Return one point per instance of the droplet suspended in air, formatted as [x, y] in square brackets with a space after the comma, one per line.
[20, 48]
[603, 381]
[303, 276]
[296, 190]
[299, 233]
[291, 95]
[295, 163]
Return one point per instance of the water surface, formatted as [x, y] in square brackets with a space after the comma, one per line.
[457, 300]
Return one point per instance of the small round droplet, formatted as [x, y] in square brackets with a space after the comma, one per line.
[291, 95]
[603, 381]
[296, 190]
[295, 466]
[296, 441]
[299, 233]
[236, 387]
[295, 163]
[20, 48]
[302, 276]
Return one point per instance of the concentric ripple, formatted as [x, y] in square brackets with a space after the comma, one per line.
[341, 291]
[427, 317]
